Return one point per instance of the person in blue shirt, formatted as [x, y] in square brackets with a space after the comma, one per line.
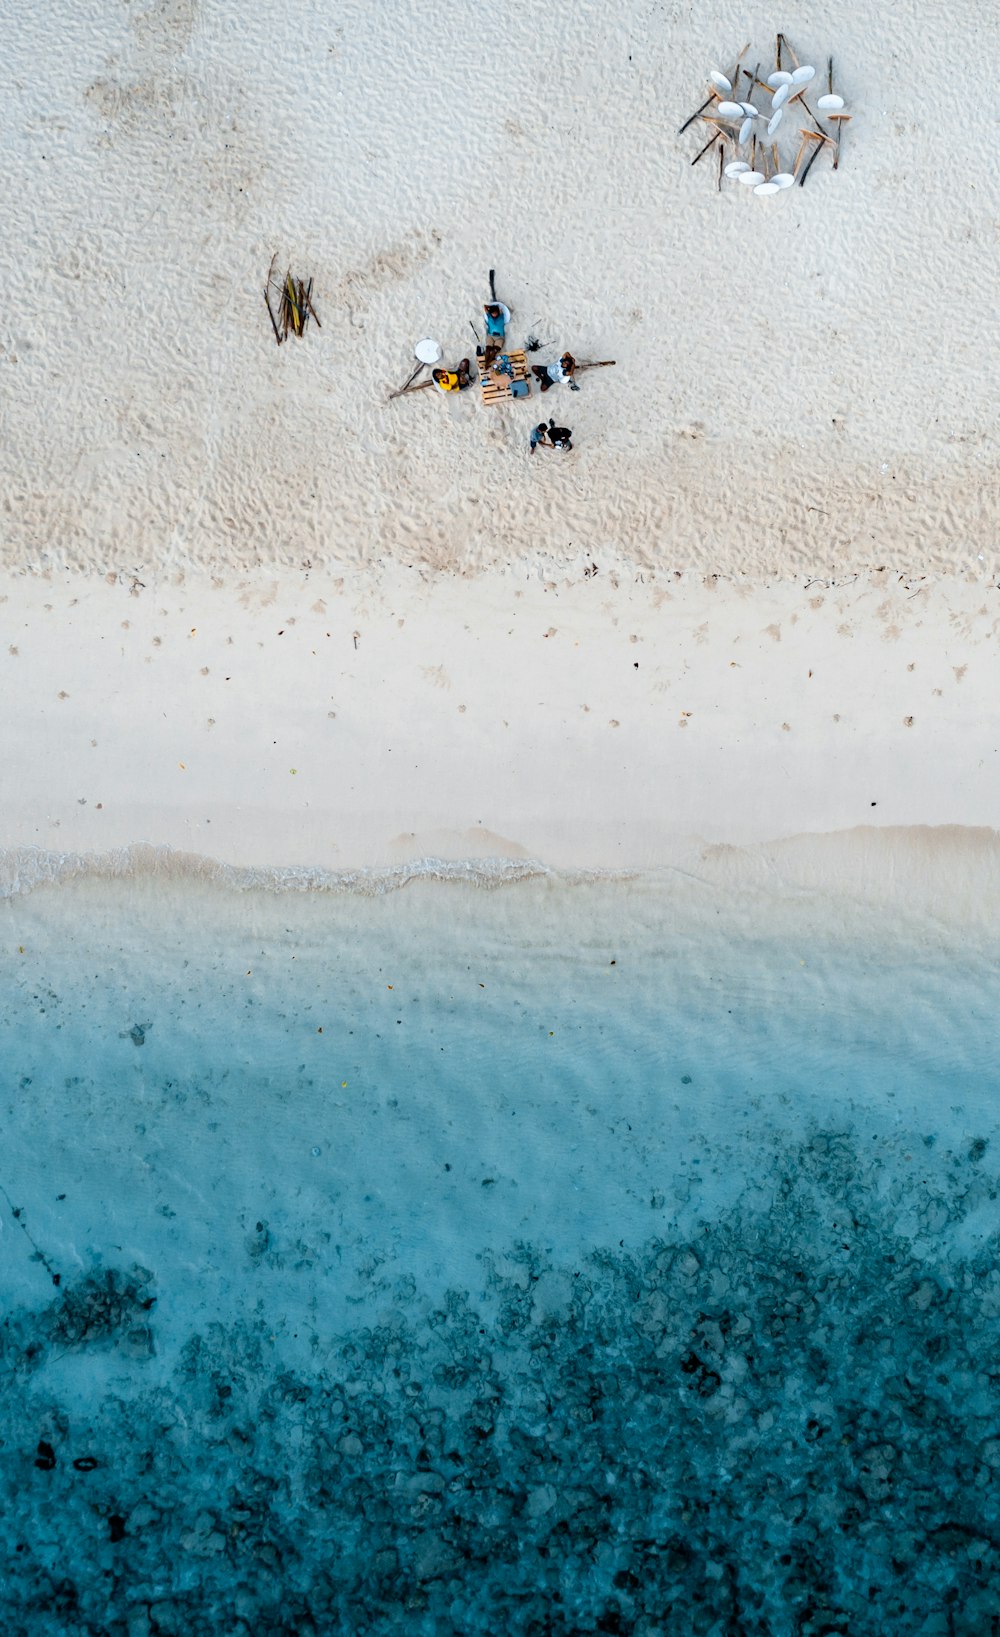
[497, 315]
[539, 434]
[497, 318]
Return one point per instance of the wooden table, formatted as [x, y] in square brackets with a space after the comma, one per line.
[496, 387]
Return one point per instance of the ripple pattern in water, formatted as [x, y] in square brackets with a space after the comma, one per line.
[647, 1297]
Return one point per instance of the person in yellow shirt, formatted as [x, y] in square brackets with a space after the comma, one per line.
[452, 380]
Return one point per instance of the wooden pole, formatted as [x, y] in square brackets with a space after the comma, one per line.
[840, 120]
[697, 112]
[274, 325]
[309, 304]
[812, 116]
[791, 53]
[812, 160]
[267, 299]
[408, 390]
[702, 151]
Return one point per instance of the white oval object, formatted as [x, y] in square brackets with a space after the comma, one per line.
[750, 179]
[720, 82]
[427, 351]
[779, 77]
[783, 179]
[780, 97]
[775, 121]
[830, 104]
[765, 187]
[745, 130]
[736, 167]
[803, 75]
[750, 111]
[731, 110]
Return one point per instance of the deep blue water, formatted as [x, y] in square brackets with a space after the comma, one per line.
[557, 1259]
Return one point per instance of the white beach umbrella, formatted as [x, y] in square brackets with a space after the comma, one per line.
[781, 96]
[731, 110]
[766, 187]
[720, 82]
[830, 104]
[775, 121]
[750, 179]
[736, 167]
[427, 351]
[779, 77]
[803, 75]
[783, 179]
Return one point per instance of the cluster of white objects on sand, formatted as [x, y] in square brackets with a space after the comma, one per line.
[742, 122]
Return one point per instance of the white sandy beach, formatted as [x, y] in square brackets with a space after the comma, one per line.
[229, 560]
[590, 722]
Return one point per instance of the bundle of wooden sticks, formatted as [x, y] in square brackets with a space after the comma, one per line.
[293, 299]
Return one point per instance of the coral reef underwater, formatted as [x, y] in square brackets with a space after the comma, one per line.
[789, 1423]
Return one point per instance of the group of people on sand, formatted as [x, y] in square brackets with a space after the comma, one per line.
[551, 436]
[547, 375]
[496, 317]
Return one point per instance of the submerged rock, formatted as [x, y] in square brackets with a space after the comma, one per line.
[756, 1432]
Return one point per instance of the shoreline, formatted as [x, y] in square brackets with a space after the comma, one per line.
[595, 723]
[945, 874]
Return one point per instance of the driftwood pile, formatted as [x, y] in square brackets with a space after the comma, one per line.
[293, 300]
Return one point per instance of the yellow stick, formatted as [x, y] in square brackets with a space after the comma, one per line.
[296, 319]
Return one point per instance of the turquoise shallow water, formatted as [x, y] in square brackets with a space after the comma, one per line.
[569, 1257]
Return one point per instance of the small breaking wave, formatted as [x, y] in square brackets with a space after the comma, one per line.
[22, 869]
[949, 873]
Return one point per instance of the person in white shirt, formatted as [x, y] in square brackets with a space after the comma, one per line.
[549, 375]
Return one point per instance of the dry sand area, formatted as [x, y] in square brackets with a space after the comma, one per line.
[788, 484]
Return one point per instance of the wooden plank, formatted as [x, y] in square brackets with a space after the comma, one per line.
[495, 388]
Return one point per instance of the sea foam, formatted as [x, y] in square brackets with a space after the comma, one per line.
[22, 869]
[949, 873]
